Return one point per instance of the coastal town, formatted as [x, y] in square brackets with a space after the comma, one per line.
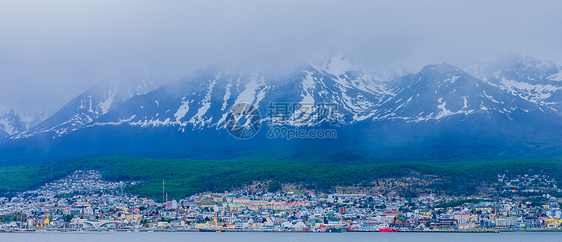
[84, 201]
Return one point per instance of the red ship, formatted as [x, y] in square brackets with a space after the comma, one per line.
[387, 230]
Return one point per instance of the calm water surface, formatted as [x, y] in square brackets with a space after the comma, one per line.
[256, 236]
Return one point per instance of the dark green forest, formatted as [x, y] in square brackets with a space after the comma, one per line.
[187, 177]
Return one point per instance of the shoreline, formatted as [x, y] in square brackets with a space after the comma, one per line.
[266, 231]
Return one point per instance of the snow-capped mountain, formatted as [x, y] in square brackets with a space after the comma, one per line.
[13, 121]
[534, 80]
[89, 106]
[441, 90]
[203, 99]
[437, 113]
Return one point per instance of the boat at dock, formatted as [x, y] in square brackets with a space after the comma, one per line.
[387, 230]
[212, 230]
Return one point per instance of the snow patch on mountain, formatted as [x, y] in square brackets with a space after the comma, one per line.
[106, 104]
[6, 126]
[205, 105]
[534, 80]
[254, 90]
[536, 93]
[226, 95]
[452, 79]
[338, 65]
[444, 111]
[119, 122]
[556, 77]
[13, 121]
[182, 110]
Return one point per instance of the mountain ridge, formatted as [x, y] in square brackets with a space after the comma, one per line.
[441, 112]
[14, 121]
[89, 106]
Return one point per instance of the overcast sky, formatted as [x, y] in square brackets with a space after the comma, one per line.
[51, 51]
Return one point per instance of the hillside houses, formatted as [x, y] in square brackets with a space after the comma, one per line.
[83, 201]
